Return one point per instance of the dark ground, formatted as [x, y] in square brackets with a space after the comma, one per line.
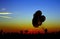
[20, 35]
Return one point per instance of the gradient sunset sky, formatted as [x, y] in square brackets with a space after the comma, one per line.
[16, 15]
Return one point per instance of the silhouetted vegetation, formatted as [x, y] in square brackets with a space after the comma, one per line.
[15, 35]
[45, 30]
[38, 18]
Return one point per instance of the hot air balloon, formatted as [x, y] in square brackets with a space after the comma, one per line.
[38, 19]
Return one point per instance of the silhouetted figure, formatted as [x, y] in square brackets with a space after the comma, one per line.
[38, 18]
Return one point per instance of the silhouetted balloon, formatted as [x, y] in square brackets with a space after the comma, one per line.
[38, 13]
[42, 18]
[35, 22]
[38, 18]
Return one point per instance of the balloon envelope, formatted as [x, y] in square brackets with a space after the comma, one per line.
[38, 18]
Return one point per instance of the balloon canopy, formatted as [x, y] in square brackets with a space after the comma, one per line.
[38, 19]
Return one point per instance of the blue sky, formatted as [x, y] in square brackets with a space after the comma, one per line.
[23, 10]
[23, 7]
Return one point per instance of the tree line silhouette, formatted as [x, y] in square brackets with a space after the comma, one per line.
[21, 35]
